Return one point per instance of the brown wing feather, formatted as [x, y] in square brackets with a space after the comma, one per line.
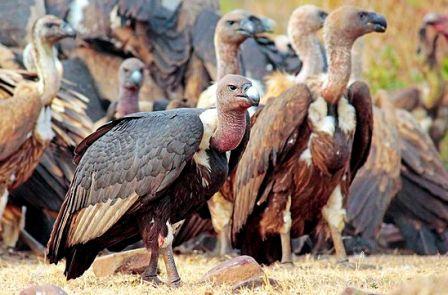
[359, 98]
[270, 139]
[378, 181]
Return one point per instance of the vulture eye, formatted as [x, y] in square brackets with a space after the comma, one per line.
[232, 87]
[230, 22]
[50, 25]
[363, 15]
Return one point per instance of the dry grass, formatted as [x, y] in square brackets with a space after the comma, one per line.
[391, 60]
[309, 276]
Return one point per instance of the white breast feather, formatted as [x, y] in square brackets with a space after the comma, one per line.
[43, 127]
[347, 116]
[209, 119]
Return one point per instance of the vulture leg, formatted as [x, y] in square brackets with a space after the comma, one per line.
[285, 234]
[334, 215]
[150, 274]
[221, 213]
[171, 270]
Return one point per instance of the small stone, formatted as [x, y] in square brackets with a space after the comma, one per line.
[234, 271]
[127, 262]
[43, 290]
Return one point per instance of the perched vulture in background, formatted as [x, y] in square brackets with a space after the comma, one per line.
[52, 115]
[309, 143]
[142, 173]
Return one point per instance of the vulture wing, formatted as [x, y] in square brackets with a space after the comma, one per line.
[123, 162]
[359, 97]
[378, 181]
[271, 136]
[421, 207]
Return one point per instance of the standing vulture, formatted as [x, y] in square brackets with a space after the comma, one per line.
[303, 24]
[309, 143]
[142, 173]
[403, 182]
[25, 111]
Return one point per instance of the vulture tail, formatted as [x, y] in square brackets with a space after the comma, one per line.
[78, 260]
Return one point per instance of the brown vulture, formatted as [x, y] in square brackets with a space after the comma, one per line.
[28, 108]
[308, 144]
[403, 182]
[142, 173]
[305, 21]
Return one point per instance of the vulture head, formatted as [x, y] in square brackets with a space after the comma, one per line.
[306, 19]
[347, 23]
[131, 73]
[234, 92]
[51, 29]
[238, 25]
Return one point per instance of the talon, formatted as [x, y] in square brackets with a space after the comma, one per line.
[175, 284]
[153, 280]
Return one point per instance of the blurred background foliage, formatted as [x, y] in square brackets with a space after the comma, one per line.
[391, 60]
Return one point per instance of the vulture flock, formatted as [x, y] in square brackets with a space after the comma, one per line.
[164, 122]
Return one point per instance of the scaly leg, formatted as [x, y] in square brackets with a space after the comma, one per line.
[3, 201]
[334, 215]
[285, 234]
[221, 213]
[150, 274]
[171, 270]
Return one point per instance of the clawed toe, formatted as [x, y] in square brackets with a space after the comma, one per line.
[175, 284]
[153, 280]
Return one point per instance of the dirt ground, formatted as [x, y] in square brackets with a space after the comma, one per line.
[308, 276]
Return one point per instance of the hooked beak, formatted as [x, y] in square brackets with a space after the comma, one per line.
[136, 78]
[378, 22]
[252, 94]
[67, 30]
[252, 25]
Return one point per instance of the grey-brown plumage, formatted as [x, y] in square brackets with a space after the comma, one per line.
[141, 173]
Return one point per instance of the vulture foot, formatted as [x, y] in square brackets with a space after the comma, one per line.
[152, 279]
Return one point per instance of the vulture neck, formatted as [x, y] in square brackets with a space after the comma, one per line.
[127, 101]
[230, 131]
[339, 68]
[49, 76]
[357, 63]
[227, 57]
[308, 49]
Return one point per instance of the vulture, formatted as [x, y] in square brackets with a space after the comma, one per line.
[139, 175]
[231, 31]
[26, 107]
[309, 143]
[304, 23]
[403, 182]
[42, 194]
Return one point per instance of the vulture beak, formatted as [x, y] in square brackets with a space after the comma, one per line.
[252, 25]
[252, 94]
[136, 78]
[378, 22]
[67, 30]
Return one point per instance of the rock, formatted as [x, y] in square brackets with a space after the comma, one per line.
[234, 271]
[43, 290]
[353, 291]
[128, 262]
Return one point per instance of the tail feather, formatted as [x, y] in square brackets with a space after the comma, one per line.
[78, 260]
